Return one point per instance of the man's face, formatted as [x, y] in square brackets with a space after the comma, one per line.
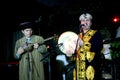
[27, 32]
[87, 23]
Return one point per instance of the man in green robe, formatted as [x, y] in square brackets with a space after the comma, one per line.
[28, 50]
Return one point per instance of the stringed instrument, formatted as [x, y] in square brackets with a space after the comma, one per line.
[29, 46]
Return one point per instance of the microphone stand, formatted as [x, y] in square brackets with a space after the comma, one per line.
[49, 67]
[48, 55]
[75, 51]
[28, 60]
[80, 28]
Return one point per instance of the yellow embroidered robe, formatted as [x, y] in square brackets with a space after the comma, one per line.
[88, 57]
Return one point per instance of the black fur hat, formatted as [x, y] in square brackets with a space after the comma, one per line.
[25, 25]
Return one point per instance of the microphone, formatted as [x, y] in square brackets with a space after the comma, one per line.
[81, 28]
[83, 24]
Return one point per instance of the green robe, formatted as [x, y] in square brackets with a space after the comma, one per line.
[36, 68]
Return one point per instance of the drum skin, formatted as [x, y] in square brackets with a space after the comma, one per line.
[69, 41]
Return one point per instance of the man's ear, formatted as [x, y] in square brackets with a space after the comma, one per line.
[91, 22]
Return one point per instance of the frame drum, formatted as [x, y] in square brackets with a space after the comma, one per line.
[68, 40]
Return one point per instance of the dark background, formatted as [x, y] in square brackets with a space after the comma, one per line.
[51, 17]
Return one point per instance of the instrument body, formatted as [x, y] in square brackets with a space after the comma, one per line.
[29, 46]
[69, 41]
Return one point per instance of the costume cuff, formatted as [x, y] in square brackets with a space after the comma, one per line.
[17, 55]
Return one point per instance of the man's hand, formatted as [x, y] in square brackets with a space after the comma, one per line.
[36, 45]
[80, 41]
[20, 50]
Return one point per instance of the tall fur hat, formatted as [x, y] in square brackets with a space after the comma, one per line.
[85, 16]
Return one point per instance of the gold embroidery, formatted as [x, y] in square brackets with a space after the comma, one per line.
[82, 55]
[85, 54]
[90, 56]
[74, 74]
[88, 35]
[90, 73]
[81, 70]
[87, 46]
